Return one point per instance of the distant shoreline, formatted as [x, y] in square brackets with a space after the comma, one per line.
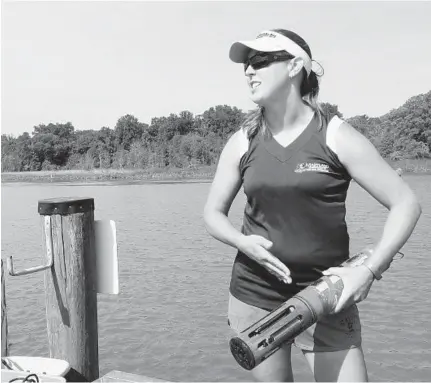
[108, 175]
[202, 174]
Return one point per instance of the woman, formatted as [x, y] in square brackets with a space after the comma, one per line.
[295, 165]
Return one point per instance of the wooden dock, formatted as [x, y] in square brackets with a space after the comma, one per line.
[119, 376]
[70, 290]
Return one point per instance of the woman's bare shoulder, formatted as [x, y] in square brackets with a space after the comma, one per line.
[237, 145]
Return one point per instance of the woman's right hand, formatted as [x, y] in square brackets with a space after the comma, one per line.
[256, 248]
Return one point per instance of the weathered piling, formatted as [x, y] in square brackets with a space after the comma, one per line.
[4, 329]
[70, 284]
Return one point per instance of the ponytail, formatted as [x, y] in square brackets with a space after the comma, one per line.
[254, 122]
[309, 92]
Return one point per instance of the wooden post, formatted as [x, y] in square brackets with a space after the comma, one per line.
[70, 285]
[4, 331]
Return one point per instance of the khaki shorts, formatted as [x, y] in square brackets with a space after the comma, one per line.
[335, 332]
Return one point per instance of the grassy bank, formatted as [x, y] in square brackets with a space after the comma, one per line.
[150, 175]
[159, 175]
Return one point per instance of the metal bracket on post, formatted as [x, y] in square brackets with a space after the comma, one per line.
[32, 270]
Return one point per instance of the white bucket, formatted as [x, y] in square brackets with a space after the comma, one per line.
[36, 365]
[8, 375]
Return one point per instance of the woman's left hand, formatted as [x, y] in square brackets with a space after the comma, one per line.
[357, 283]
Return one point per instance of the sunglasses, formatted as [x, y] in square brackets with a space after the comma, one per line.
[262, 60]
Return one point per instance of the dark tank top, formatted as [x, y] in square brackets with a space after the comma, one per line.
[296, 199]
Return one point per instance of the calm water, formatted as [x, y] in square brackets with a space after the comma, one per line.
[169, 320]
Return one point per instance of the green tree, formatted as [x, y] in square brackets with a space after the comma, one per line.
[52, 143]
[128, 130]
[221, 120]
[10, 160]
[182, 140]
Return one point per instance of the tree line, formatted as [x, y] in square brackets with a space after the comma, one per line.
[185, 140]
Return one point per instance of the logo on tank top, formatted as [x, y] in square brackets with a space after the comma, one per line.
[312, 167]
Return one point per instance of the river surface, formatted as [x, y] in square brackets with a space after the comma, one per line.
[169, 320]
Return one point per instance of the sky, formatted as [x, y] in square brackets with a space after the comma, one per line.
[92, 62]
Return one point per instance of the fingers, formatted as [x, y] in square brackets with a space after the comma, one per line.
[339, 271]
[278, 273]
[274, 264]
[281, 266]
[271, 263]
[342, 303]
[356, 285]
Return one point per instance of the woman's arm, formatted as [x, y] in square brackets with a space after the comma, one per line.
[374, 174]
[224, 188]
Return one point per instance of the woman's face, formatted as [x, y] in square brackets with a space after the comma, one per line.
[267, 84]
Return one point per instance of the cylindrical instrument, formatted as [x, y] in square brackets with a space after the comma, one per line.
[262, 339]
